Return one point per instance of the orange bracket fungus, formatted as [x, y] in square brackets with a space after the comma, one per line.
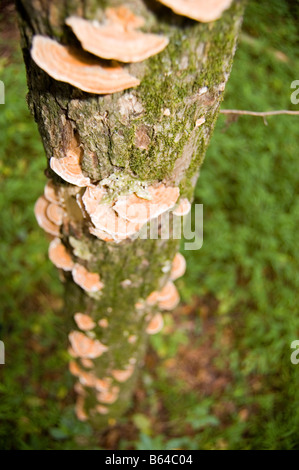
[140, 210]
[112, 41]
[40, 210]
[90, 282]
[155, 325]
[168, 297]
[78, 68]
[122, 375]
[178, 267]
[199, 10]
[84, 322]
[183, 208]
[69, 169]
[59, 255]
[86, 347]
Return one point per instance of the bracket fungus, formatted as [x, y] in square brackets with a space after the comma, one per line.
[199, 10]
[51, 193]
[86, 347]
[122, 375]
[108, 397]
[55, 213]
[90, 282]
[40, 210]
[59, 255]
[168, 297]
[112, 41]
[77, 68]
[140, 210]
[178, 267]
[84, 322]
[69, 169]
[183, 208]
[155, 325]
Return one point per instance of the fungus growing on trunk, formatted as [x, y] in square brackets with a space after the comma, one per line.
[77, 68]
[51, 192]
[122, 375]
[199, 10]
[40, 210]
[86, 347]
[178, 267]
[183, 208]
[109, 396]
[155, 325]
[168, 297]
[90, 282]
[69, 169]
[84, 322]
[140, 210]
[59, 255]
[112, 41]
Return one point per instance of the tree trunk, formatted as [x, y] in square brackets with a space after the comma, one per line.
[152, 133]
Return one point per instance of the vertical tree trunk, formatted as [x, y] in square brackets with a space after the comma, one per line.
[149, 134]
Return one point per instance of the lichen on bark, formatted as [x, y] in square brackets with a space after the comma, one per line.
[153, 133]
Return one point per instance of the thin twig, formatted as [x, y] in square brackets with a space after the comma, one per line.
[255, 113]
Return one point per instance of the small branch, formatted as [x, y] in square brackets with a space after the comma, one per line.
[260, 114]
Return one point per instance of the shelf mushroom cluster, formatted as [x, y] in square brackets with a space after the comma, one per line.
[167, 298]
[84, 350]
[119, 39]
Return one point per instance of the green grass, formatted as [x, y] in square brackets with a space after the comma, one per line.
[245, 275]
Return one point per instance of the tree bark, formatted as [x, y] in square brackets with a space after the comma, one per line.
[148, 134]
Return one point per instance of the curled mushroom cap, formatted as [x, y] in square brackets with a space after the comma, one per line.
[168, 297]
[51, 193]
[178, 267]
[199, 10]
[111, 42]
[40, 210]
[86, 347]
[55, 213]
[69, 169]
[183, 207]
[139, 210]
[122, 375]
[155, 325]
[59, 255]
[84, 322]
[78, 69]
[90, 282]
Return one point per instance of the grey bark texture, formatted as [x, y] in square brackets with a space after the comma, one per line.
[148, 134]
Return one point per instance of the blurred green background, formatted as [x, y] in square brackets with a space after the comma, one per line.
[219, 376]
